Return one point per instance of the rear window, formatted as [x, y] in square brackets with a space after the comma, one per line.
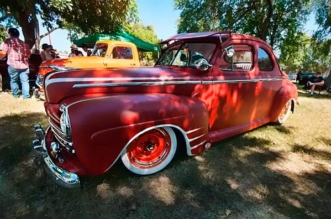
[121, 52]
[265, 62]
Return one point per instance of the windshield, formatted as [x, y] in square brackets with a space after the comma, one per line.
[187, 54]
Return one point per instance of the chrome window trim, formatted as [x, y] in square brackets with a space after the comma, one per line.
[152, 83]
[174, 83]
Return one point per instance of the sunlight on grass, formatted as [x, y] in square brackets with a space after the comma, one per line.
[162, 189]
[12, 106]
[125, 191]
[258, 192]
[271, 172]
[104, 190]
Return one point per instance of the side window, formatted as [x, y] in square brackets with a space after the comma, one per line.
[265, 62]
[121, 52]
[100, 49]
[187, 54]
[241, 59]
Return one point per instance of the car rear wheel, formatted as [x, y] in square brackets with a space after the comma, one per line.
[151, 151]
[285, 112]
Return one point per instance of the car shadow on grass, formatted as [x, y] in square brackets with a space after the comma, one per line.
[241, 177]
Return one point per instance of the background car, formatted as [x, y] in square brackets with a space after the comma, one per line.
[292, 76]
[304, 78]
[34, 63]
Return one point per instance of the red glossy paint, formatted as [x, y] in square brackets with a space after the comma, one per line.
[120, 111]
[150, 149]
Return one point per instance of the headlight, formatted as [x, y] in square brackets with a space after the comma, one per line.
[65, 121]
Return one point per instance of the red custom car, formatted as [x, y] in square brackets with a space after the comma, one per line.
[205, 87]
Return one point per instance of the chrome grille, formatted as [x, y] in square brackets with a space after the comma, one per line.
[59, 135]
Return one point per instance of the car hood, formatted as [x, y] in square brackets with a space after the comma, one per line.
[62, 84]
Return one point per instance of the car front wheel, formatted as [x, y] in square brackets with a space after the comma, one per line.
[151, 151]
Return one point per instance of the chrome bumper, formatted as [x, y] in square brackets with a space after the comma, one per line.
[39, 85]
[37, 94]
[61, 176]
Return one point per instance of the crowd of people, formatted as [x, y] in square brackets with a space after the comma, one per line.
[18, 54]
[48, 53]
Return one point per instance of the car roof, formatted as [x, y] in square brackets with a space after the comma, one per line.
[223, 35]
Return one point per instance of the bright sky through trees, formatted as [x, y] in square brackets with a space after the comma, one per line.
[161, 15]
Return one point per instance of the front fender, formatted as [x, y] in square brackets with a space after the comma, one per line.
[102, 126]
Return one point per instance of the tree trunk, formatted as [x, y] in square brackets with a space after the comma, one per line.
[265, 25]
[37, 36]
[27, 19]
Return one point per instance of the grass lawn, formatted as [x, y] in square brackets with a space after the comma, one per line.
[271, 172]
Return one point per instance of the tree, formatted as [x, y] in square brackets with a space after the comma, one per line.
[297, 53]
[147, 34]
[3, 33]
[85, 16]
[322, 10]
[272, 21]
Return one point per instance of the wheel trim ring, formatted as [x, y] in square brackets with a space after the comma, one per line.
[140, 157]
[284, 111]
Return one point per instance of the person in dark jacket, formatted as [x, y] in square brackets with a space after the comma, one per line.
[316, 80]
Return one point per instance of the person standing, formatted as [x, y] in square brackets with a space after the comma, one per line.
[18, 53]
[87, 50]
[74, 51]
[46, 53]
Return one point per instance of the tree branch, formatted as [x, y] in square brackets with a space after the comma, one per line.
[48, 33]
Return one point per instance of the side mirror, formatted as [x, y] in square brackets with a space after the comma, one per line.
[202, 64]
[229, 52]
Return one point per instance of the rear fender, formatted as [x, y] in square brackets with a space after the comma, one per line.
[281, 98]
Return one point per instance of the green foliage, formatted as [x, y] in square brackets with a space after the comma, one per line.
[145, 33]
[272, 21]
[322, 10]
[278, 22]
[3, 33]
[307, 54]
[80, 16]
[98, 16]
[294, 52]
